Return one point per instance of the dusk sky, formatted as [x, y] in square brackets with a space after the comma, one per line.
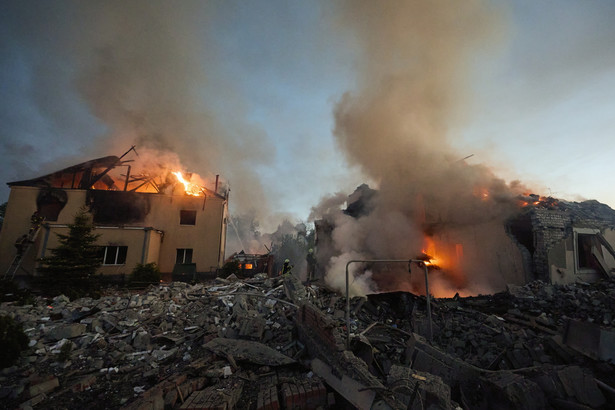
[249, 90]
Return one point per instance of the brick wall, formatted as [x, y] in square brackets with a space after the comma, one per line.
[322, 332]
[550, 227]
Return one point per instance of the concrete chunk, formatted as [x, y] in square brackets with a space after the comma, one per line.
[66, 331]
[253, 352]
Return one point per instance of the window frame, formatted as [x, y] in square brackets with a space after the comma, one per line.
[187, 255]
[119, 258]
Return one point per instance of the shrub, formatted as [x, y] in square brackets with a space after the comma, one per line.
[71, 267]
[145, 273]
[12, 341]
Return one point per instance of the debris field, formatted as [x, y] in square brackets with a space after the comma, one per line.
[276, 343]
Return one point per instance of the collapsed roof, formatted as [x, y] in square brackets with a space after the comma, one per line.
[110, 173]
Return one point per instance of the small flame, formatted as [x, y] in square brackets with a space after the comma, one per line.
[482, 193]
[189, 187]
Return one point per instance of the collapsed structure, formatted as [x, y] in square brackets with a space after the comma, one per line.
[272, 343]
[147, 216]
[526, 238]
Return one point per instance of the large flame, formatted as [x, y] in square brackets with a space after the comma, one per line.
[189, 187]
[447, 259]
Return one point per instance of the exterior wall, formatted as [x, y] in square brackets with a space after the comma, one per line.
[155, 238]
[550, 229]
[154, 241]
[20, 207]
[205, 237]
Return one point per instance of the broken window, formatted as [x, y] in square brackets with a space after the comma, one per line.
[594, 253]
[584, 245]
[187, 217]
[114, 255]
[184, 256]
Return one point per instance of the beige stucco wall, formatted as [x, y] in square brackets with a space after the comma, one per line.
[204, 237]
[159, 235]
[20, 207]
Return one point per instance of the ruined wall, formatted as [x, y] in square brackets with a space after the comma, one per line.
[550, 228]
[118, 207]
[556, 254]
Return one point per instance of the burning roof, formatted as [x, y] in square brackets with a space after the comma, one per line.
[112, 173]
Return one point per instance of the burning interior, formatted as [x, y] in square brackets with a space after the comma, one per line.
[527, 237]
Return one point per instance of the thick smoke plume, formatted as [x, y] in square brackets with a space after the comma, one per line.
[146, 69]
[395, 126]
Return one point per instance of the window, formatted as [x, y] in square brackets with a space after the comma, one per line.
[184, 256]
[187, 217]
[593, 253]
[114, 255]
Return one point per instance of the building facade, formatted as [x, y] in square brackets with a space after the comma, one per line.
[139, 220]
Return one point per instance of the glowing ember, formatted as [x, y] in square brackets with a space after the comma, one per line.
[536, 200]
[481, 193]
[189, 187]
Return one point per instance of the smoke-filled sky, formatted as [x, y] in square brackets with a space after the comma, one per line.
[291, 101]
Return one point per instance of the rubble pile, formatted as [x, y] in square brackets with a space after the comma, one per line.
[544, 335]
[159, 345]
[274, 343]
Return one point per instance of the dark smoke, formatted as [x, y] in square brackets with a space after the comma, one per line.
[146, 70]
[395, 126]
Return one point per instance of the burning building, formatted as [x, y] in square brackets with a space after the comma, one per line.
[483, 243]
[142, 215]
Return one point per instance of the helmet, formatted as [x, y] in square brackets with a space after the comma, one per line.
[286, 260]
[311, 250]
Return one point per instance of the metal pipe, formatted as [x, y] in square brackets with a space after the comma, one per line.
[419, 262]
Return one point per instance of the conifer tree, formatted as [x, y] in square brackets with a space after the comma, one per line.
[75, 261]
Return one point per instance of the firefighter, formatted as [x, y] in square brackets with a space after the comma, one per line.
[20, 244]
[287, 267]
[36, 219]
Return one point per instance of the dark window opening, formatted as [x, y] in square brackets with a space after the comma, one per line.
[588, 246]
[184, 256]
[521, 229]
[114, 255]
[50, 202]
[187, 217]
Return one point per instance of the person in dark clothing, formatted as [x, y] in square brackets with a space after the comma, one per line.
[20, 244]
[287, 267]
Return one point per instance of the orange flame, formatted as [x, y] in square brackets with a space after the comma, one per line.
[448, 258]
[189, 187]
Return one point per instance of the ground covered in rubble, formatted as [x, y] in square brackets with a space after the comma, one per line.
[274, 343]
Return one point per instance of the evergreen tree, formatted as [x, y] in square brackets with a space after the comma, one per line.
[74, 262]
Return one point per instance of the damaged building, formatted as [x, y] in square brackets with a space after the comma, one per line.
[140, 217]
